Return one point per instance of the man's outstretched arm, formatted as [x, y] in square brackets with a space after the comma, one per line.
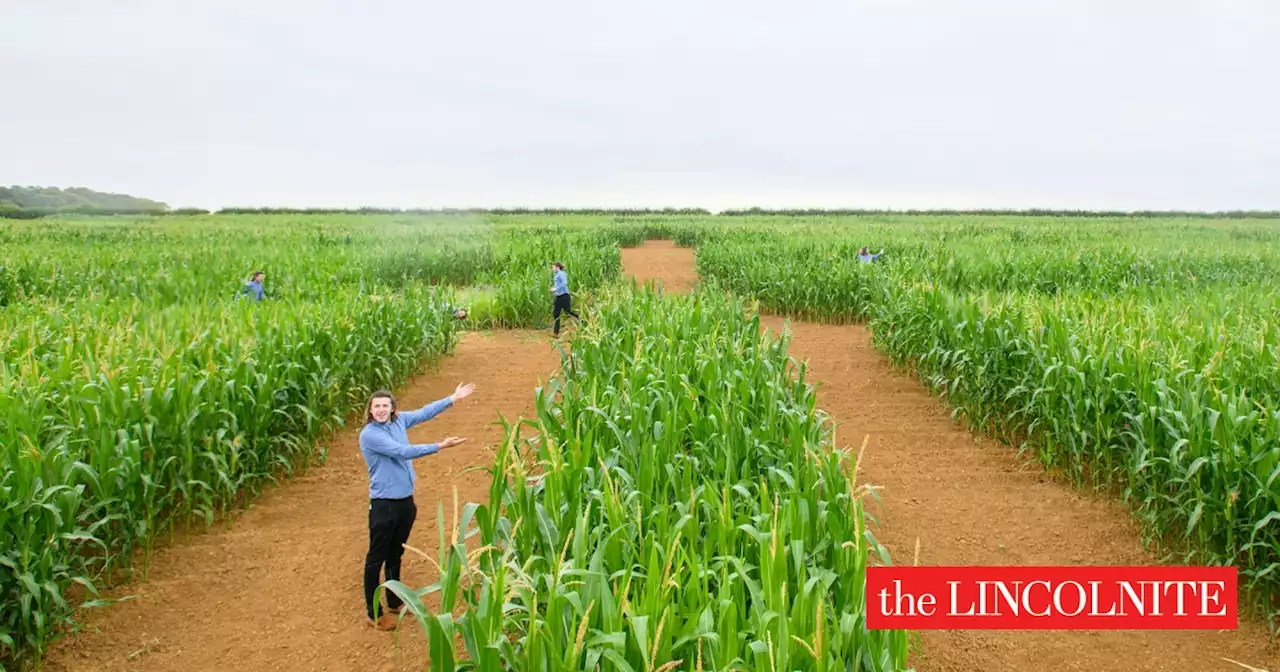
[427, 412]
[384, 445]
[435, 408]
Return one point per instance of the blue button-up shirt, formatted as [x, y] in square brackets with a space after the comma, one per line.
[253, 288]
[389, 455]
[561, 283]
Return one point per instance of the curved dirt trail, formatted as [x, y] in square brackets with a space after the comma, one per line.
[282, 590]
[973, 502]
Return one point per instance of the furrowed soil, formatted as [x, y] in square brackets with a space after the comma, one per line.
[281, 590]
[971, 501]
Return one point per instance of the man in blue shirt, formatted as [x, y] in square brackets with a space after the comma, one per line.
[458, 312]
[252, 288]
[384, 442]
[560, 288]
[865, 256]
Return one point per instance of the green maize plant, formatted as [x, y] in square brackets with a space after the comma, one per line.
[800, 278]
[621, 230]
[1175, 402]
[1110, 269]
[523, 279]
[180, 260]
[119, 422]
[818, 277]
[1148, 366]
[677, 497]
[9, 287]
[677, 503]
[142, 393]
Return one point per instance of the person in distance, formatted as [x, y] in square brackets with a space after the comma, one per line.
[384, 442]
[459, 313]
[563, 301]
[253, 288]
[865, 256]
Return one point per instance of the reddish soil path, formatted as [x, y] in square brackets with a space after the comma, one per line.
[973, 502]
[281, 590]
[663, 262]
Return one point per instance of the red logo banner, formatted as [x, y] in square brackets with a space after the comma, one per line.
[1051, 598]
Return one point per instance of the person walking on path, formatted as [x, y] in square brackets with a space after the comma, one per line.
[563, 302]
[384, 442]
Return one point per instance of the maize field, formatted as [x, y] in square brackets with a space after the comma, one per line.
[678, 501]
[140, 394]
[1138, 356]
[679, 504]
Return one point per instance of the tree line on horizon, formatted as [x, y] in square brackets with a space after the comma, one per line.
[18, 202]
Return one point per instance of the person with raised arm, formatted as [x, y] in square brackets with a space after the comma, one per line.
[389, 456]
[865, 256]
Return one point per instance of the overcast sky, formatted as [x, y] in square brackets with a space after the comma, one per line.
[892, 103]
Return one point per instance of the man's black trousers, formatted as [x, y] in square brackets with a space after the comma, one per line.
[563, 303]
[390, 521]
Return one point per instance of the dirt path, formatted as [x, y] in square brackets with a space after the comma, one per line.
[972, 502]
[281, 590]
[663, 262]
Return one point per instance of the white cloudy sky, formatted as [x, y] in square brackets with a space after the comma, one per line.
[893, 103]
